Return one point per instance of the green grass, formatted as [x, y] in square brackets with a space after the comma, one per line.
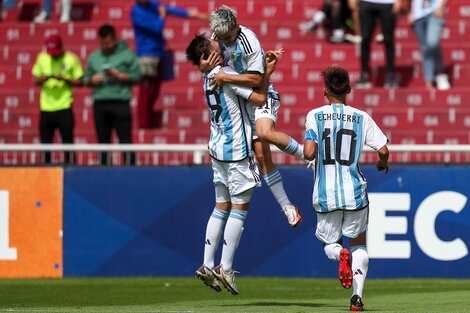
[271, 295]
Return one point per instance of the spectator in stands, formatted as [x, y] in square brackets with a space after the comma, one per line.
[385, 11]
[427, 19]
[111, 71]
[337, 11]
[46, 11]
[148, 19]
[56, 71]
[6, 5]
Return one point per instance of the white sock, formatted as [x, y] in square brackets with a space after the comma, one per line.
[332, 251]
[215, 225]
[359, 267]
[274, 182]
[232, 234]
[294, 148]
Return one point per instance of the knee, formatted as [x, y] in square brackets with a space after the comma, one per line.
[260, 157]
[264, 133]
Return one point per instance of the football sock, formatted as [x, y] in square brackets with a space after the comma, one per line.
[359, 266]
[294, 148]
[232, 234]
[332, 251]
[274, 182]
[215, 225]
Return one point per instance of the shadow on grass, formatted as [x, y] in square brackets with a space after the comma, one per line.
[275, 303]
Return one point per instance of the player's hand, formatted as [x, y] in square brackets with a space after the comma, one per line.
[274, 54]
[381, 165]
[205, 65]
[270, 65]
[217, 80]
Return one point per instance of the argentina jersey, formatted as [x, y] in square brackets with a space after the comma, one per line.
[231, 131]
[246, 54]
[340, 132]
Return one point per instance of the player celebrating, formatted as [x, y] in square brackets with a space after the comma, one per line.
[243, 52]
[335, 135]
[235, 174]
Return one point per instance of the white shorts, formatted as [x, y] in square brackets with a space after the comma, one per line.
[333, 225]
[268, 110]
[238, 177]
[222, 195]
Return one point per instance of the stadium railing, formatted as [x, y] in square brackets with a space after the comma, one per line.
[196, 154]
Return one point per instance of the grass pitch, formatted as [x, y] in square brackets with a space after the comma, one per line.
[272, 295]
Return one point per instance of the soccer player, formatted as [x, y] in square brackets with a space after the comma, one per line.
[335, 135]
[235, 174]
[242, 52]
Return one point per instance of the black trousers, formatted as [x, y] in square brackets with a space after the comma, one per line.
[50, 121]
[109, 115]
[368, 13]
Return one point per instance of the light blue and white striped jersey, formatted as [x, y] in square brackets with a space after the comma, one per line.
[341, 132]
[231, 131]
[246, 54]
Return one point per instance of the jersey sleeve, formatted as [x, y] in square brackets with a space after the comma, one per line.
[374, 137]
[253, 51]
[311, 130]
[242, 91]
[37, 69]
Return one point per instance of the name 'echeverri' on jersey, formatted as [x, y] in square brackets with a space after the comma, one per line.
[341, 132]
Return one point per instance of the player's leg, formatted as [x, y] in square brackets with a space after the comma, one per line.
[355, 227]
[273, 179]
[242, 179]
[359, 266]
[329, 231]
[215, 225]
[268, 133]
[232, 235]
[265, 125]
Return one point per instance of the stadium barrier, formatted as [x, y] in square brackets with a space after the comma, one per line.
[188, 154]
[140, 221]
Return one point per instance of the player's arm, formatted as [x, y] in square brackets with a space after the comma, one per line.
[382, 163]
[259, 95]
[253, 79]
[310, 149]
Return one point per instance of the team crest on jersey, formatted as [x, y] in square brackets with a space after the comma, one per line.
[233, 57]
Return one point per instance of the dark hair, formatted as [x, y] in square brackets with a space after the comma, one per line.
[336, 80]
[199, 46]
[107, 30]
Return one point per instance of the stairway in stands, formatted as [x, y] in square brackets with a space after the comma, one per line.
[409, 115]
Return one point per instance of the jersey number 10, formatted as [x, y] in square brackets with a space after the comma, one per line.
[326, 136]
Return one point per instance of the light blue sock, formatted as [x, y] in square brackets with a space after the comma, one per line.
[274, 182]
[294, 148]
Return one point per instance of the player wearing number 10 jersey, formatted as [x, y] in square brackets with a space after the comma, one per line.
[335, 135]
